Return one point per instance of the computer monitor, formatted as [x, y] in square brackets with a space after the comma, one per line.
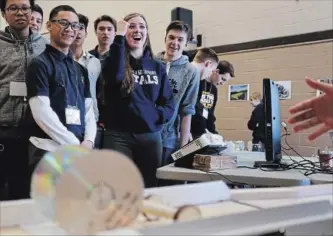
[271, 102]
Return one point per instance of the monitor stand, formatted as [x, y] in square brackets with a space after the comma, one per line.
[269, 165]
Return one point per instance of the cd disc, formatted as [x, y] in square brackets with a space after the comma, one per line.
[98, 190]
[47, 173]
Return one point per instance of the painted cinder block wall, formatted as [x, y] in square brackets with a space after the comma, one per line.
[220, 22]
[285, 63]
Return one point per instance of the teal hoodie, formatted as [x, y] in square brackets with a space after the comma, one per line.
[184, 80]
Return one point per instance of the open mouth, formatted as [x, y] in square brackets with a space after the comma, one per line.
[137, 37]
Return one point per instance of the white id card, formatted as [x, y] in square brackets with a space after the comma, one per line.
[73, 116]
[205, 113]
[17, 88]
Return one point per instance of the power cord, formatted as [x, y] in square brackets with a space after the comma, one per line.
[306, 165]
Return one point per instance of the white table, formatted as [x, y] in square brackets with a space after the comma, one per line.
[237, 204]
[248, 176]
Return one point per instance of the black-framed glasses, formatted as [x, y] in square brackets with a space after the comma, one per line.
[65, 24]
[15, 9]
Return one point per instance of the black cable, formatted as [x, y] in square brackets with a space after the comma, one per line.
[223, 176]
[296, 165]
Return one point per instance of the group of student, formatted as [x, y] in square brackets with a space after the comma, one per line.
[119, 95]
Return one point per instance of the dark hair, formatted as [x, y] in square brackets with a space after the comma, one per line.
[189, 54]
[226, 67]
[83, 20]
[60, 8]
[179, 25]
[105, 18]
[38, 9]
[3, 4]
[204, 54]
[128, 83]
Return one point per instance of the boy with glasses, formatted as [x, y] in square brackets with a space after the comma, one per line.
[58, 90]
[91, 63]
[18, 45]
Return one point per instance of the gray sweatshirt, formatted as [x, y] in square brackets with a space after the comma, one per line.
[15, 55]
[184, 80]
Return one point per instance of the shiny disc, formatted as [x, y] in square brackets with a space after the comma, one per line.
[98, 190]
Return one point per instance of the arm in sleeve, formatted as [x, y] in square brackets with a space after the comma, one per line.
[187, 108]
[49, 121]
[254, 120]
[211, 117]
[115, 63]
[90, 121]
[37, 80]
[89, 117]
[165, 103]
[187, 104]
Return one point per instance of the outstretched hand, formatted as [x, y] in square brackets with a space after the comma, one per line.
[314, 111]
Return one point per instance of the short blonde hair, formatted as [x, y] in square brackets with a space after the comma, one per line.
[255, 96]
[204, 54]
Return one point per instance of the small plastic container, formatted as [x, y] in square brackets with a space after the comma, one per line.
[325, 159]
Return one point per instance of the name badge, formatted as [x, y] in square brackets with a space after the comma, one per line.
[73, 116]
[205, 113]
[17, 88]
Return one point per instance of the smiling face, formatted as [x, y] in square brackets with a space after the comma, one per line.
[136, 35]
[175, 43]
[18, 14]
[61, 29]
[36, 21]
[219, 79]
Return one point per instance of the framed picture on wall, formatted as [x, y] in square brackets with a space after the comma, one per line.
[239, 92]
[284, 90]
[324, 80]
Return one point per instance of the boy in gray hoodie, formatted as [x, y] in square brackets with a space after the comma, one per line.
[184, 80]
[18, 45]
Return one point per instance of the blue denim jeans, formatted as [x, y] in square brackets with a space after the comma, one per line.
[145, 149]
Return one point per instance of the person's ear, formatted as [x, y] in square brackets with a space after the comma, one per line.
[48, 26]
[3, 15]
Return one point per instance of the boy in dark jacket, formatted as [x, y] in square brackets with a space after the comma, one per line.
[257, 120]
[204, 118]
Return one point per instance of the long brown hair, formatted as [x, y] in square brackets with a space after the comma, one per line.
[128, 82]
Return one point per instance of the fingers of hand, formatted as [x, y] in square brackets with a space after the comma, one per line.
[307, 124]
[324, 87]
[302, 116]
[304, 105]
[122, 26]
[318, 133]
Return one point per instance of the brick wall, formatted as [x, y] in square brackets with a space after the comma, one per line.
[220, 22]
[287, 63]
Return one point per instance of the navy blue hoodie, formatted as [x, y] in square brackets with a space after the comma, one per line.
[151, 103]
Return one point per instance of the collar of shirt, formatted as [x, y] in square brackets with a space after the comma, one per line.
[86, 55]
[58, 54]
